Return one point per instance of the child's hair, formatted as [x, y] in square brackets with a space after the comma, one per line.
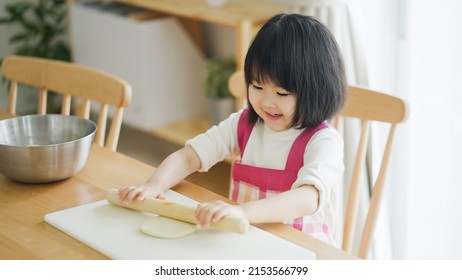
[300, 55]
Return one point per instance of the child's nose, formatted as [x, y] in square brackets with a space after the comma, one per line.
[268, 100]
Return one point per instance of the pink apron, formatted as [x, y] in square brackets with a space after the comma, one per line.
[254, 183]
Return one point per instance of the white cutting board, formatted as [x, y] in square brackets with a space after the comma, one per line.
[115, 232]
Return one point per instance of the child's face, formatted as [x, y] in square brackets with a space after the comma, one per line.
[275, 105]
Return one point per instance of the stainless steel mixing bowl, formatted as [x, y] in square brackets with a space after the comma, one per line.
[44, 148]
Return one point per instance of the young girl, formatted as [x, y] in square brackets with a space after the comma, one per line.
[291, 159]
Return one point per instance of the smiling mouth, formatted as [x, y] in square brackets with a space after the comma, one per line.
[273, 116]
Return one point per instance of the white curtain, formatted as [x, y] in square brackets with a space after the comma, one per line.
[413, 49]
[434, 63]
[336, 15]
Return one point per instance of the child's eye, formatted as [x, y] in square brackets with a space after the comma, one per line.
[256, 87]
[283, 94]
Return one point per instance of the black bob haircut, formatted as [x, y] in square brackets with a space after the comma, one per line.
[300, 55]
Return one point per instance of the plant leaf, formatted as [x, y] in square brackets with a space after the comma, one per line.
[39, 14]
[18, 8]
[19, 37]
[41, 23]
[6, 20]
[58, 2]
[61, 52]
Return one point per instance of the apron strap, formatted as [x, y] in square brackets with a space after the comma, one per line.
[297, 152]
[244, 129]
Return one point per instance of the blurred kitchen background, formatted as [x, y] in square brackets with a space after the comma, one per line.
[408, 48]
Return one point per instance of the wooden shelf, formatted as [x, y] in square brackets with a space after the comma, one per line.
[180, 132]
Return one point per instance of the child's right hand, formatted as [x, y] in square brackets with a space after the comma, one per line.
[128, 194]
[211, 212]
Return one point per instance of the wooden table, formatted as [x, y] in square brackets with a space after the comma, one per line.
[25, 235]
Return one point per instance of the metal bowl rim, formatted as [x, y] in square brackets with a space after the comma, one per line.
[51, 145]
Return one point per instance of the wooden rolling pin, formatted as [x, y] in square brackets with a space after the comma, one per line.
[178, 212]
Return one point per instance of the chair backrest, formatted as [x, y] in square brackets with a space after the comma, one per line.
[84, 84]
[367, 106]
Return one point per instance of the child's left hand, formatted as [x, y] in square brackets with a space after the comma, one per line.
[212, 212]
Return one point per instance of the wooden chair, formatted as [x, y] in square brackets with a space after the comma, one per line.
[367, 106]
[71, 81]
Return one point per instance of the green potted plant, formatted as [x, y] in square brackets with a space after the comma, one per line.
[220, 101]
[41, 32]
[42, 28]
